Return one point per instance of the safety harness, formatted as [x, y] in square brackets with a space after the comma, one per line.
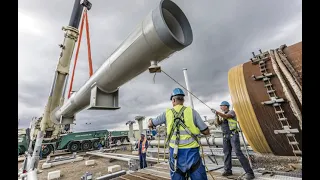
[233, 126]
[179, 121]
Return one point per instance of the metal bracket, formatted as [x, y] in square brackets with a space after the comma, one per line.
[86, 4]
[133, 164]
[273, 102]
[263, 77]
[100, 100]
[286, 131]
[260, 57]
[154, 68]
[67, 120]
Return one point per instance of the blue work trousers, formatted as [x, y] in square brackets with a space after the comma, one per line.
[232, 141]
[40, 154]
[187, 158]
[143, 160]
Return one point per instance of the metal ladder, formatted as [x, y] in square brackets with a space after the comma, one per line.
[275, 101]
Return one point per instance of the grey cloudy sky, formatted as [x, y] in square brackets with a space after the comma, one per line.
[225, 34]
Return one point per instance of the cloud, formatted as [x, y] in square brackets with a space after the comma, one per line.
[225, 34]
[28, 25]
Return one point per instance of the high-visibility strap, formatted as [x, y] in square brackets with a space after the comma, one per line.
[175, 124]
[183, 132]
[184, 141]
[178, 123]
[190, 133]
[178, 115]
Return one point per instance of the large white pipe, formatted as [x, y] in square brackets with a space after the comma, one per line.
[32, 175]
[151, 159]
[163, 32]
[121, 157]
[32, 161]
[212, 142]
[109, 156]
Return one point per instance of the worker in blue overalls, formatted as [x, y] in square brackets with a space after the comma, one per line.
[185, 160]
[142, 147]
[231, 140]
[40, 153]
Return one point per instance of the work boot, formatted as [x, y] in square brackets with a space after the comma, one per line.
[249, 176]
[226, 173]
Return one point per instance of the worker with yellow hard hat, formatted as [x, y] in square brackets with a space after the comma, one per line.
[231, 140]
[183, 126]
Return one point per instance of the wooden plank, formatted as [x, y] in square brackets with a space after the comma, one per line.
[121, 177]
[156, 173]
[217, 175]
[130, 177]
[151, 177]
[138, 176]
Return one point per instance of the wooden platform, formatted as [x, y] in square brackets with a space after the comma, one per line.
[161, 171]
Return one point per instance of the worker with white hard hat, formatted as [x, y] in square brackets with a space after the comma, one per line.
[231, 140]
[185, 160]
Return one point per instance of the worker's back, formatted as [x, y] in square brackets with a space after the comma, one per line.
[183, 126]
[186, 141]
[188, 156]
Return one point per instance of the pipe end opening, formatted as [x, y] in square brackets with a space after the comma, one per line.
[176, 24]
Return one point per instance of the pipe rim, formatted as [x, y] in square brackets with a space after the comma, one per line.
[170, 11]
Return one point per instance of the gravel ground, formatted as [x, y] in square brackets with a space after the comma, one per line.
[73, 171]
[276, 163]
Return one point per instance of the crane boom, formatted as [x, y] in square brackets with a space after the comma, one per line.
[163, 32]
[57, 91]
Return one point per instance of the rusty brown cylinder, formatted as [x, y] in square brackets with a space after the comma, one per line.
[265, 116]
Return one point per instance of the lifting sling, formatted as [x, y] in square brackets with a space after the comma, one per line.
[84, 20]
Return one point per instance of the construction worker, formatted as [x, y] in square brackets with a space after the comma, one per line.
[142, 147]
[185, 160]
[41, 149]
[231, 140]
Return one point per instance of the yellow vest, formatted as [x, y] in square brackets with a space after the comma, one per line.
[232, 124]
[186, 141]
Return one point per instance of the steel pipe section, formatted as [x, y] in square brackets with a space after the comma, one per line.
[109, 156]
[212, 142]
[163, 32]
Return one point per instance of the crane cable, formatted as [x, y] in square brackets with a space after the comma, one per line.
[86, 21]
[202, 153]
[186, 89]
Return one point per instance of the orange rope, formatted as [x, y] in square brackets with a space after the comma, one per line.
[76, 57]
[84, 17]
[88, 43]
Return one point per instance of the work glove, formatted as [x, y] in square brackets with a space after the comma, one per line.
[150, 125]
[213, 111]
